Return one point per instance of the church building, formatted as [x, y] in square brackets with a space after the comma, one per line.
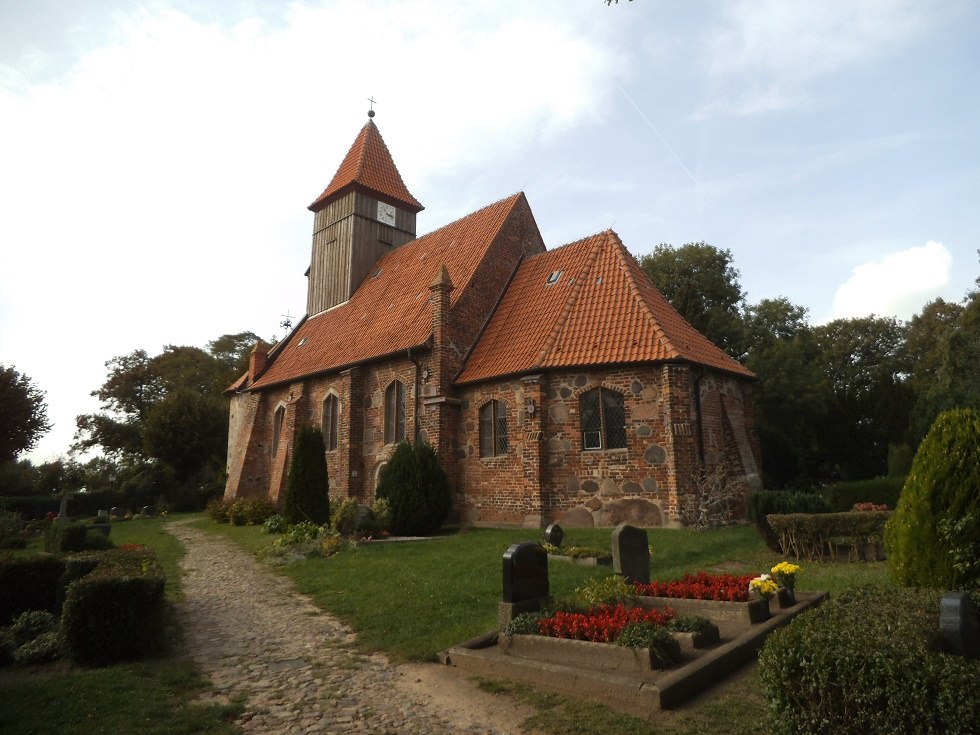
[555, 385]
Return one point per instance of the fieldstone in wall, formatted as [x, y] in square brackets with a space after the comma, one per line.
[655, 454]
[591, 487]
[578, 517]
[635, 511]
[650, 484]
[558, 413]
[608, 486]
[593, 503]
[631, 488]
[644, 411]
[643, 431]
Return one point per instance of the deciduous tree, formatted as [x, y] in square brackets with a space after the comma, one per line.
[24, 418]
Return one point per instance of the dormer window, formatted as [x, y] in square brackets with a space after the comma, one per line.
[553, 278]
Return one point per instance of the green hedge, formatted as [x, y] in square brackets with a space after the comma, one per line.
[867, 662]
[68, 537]
[118, 611]
[29, 583]
[764, 503]
[880, 491]
[820, 535]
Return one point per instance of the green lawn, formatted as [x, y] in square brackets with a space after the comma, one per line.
[410, 600]
[154, 697]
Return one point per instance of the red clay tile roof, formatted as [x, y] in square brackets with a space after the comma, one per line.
[368, 165]
[390, 311]
[600, 309]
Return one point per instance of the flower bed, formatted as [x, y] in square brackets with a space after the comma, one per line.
[721, 597]
[700, 586]
[602, 624]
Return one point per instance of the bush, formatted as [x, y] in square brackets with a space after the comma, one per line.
[29, 583]
[217, 509]
[665, 650]
[118, 611]
[275, 524]
[32, 638]
[819, 535]
[307, 487]
[343, 517]
[867, 662]
[417, 490]
[942, 488]
[842, 496]
[767, 502]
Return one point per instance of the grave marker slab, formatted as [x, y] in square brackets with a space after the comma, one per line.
[525, 572]
[958, 624]
[554, 534]
[631, 553]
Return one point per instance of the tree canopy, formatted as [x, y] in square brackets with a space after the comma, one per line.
[24, 418]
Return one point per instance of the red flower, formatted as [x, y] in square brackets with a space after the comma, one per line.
[700, 586]
[602, 624]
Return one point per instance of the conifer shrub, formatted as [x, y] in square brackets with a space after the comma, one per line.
[868, 663]
[417, 490]
[307, 488]
[942, 489]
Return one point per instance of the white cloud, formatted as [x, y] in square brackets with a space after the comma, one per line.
[765, 54]
[899, 284]
[154, 190]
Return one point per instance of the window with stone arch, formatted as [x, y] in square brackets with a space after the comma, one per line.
[395, 412]
[330, 421]
[493, 429]
[603, 413]
[278, 418]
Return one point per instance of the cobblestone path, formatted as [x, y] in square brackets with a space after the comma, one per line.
[294, 665]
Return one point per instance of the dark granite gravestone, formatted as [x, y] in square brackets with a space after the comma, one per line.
[102, 516]
[554, 535]
[958, 625]
[525, 572]
[631, 553]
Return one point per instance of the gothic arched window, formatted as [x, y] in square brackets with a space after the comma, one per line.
[394, 413]
[603, 419]
[493, 429]
[331, 421]
[277, 421]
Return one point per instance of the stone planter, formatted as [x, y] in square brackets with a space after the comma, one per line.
[584, 561]
[698, 639]
[581, 654]
[753, 611]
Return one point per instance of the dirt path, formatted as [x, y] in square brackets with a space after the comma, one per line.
[295, 667]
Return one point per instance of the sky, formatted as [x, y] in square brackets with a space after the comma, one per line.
[157, 158]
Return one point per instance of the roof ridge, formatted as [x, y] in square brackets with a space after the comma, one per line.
[572, 299]
[515, 196]
[631, 264]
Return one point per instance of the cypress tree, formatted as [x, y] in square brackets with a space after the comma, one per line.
[928, 538]
[307, 496]
[417, 490]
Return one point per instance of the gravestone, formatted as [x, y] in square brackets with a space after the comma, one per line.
[554, 535]
[525, 572]
[117, 511]
[102, 516]
[148, 511]
[958, 625]
[631, 553]
[63, 509]
[526, 589]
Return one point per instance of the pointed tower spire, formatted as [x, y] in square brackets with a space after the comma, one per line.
[368, 167]
[365, 212]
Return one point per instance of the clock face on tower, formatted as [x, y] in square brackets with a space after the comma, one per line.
[386, 213]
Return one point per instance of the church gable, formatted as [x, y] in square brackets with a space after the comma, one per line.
[586, 303]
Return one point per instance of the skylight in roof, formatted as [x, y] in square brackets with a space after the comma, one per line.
[302, 342]
[553, 278]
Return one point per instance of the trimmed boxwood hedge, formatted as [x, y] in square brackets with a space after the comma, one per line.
[767, 502]
[29, 583]
[868, 662]
[828, 535]
[117, 612]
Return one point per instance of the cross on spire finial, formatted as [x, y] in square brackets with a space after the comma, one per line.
[371, 111]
